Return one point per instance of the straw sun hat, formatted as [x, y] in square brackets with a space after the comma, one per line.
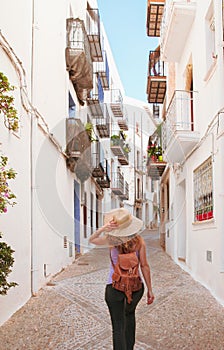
[128, 225]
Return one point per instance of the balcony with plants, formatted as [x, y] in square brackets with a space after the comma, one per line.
[78, 60]
[94, 33]
[120, 148]
[156, 84]
[155, 163]
[177, 21]
[179, 134]
[154, 17]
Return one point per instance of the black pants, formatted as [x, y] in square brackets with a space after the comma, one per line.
[122, 317]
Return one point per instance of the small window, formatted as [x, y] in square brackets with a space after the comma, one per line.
[138, 160]
[203, 191]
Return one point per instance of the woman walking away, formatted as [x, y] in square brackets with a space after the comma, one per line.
[124, 288]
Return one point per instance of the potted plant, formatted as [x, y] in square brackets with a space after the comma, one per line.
[159, 153]
[89, 131]
[152, 151]
[115, 139]
[127, 148]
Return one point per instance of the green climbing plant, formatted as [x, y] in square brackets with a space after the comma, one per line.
[7, 109]
[7, 197]
[6, 262]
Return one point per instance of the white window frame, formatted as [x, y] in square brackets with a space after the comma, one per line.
[203, 191]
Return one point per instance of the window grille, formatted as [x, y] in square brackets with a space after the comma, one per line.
[203, 191]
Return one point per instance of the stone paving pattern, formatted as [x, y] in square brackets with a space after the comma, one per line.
[70, 313]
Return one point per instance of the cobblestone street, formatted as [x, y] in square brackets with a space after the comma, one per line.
[70, 313]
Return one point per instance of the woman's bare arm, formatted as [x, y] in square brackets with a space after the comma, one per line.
[96, 237]
[146, 271]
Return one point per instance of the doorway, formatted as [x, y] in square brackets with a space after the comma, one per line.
[181, 221]
[77, 216]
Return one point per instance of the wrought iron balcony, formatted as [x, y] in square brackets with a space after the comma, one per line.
[78, 149]
[117, 183]
[94, 34]
[78, 60]
[179, 136]
[97, 165]
[104, 181]
[154, 17]
[155, 167]
[125, 195]
[116, 103]
[120, 149]
[102, 68]
[156, 86]
[123, 122]
[177, 21]
[77, 138]
[96, 97]
[103, 124]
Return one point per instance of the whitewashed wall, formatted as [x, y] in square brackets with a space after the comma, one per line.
[52, 216]
[201, 236]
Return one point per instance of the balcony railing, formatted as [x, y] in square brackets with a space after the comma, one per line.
[154, 17]
[78, 59]
[102, 68]
[116, 102]
[103, 124]
[104, 181]
[125, 195]
[96, 97]
[123, 122]
[155, 167]
[176, 24]
[78, 149]
[97, 165]
[178, 130]
[117, 183]
[94, 34]
[77, 138]
[120, 149]
[156, 87]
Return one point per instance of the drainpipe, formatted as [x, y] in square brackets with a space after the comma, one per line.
[221, 195]
[33, 130]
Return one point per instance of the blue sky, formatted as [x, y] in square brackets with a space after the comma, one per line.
[125, 25]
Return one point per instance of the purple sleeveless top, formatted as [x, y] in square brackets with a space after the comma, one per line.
[114, 256]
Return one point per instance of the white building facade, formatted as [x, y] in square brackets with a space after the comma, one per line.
[69, 98]
[192, 139]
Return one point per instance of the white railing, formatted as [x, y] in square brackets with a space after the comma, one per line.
[179, 115]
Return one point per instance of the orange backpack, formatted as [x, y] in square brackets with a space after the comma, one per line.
[126, 276]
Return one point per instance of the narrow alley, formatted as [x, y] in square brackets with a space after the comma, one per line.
[70, 313]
